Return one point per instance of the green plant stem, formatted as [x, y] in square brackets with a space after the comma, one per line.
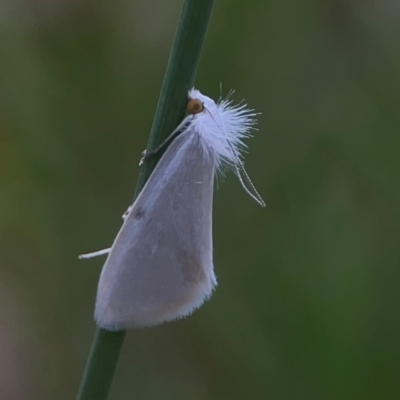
[179, 77]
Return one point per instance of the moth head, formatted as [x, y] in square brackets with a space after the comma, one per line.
[195, 97]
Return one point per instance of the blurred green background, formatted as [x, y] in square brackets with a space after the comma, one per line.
[307, 305]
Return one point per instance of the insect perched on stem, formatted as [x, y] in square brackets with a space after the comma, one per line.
[160, 266]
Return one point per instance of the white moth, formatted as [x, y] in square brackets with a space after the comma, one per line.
[160, 266]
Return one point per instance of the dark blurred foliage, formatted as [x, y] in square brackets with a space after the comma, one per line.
[307, 305]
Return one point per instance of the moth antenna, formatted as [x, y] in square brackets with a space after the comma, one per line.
[256, 196]
[239, 166]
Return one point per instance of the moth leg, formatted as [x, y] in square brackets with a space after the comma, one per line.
[94, 254]
[146, 154]
[126, 213]
[180, 129]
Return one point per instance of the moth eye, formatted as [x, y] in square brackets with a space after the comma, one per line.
[195, 106]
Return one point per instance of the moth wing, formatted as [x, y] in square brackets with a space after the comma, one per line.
[160, 266]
